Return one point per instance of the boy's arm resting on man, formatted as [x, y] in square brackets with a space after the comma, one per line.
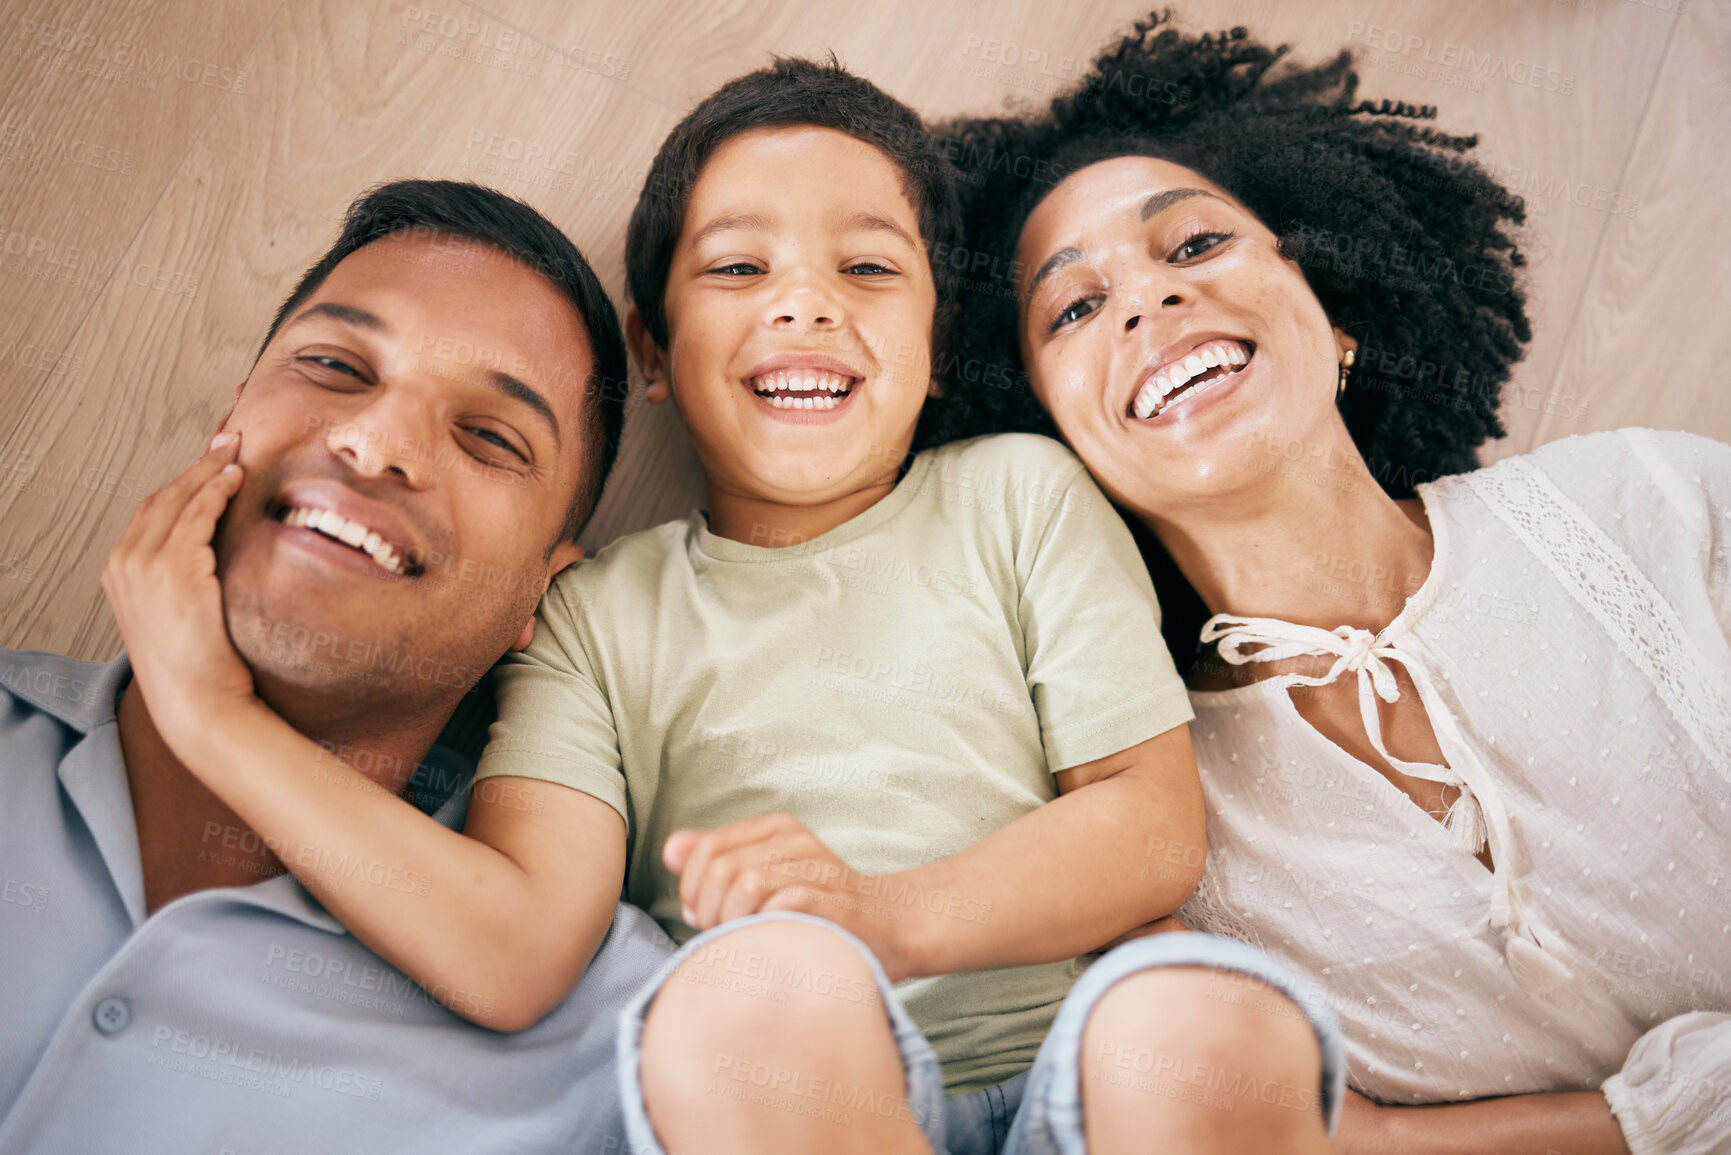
[1121, 846]
[497, 923]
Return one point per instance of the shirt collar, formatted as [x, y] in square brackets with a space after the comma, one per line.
[93, 773]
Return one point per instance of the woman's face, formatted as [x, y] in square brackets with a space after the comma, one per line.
[1168, 337]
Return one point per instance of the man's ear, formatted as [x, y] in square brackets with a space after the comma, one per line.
[651, 361]
[565, 554]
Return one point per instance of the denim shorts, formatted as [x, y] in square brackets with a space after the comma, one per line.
[1038, 1112]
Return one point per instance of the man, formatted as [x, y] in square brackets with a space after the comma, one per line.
[430, 420]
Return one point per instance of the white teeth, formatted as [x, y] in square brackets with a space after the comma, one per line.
[801, 381]
[1232, 355]
[819, 401]
[350, 533]
[802, 388]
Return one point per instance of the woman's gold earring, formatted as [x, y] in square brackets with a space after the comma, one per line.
[1345, 368]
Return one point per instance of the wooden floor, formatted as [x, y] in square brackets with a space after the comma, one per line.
[168, 169]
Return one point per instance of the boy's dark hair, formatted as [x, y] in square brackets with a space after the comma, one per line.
[791, 93]
[472, 212]
[1399, 234]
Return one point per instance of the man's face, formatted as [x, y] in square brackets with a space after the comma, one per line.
[412, 438]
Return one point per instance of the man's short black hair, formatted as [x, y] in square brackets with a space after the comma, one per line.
[472, 212]
[790, 93]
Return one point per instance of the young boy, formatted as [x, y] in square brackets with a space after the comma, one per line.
[926, 700]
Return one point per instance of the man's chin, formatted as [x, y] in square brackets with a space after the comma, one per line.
[286, 654]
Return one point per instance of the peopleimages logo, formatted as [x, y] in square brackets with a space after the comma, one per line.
[72, 49]
[1469, 60]
[205, 1056]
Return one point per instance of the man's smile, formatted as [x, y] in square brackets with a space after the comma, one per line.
[326, 511]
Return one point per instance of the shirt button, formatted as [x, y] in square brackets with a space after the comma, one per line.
[111, 1015]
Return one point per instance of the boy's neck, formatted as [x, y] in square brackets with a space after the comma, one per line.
[755, 521]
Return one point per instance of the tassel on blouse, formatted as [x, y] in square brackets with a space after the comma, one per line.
[1465, 823]
[1477, 811]
[1537, 970]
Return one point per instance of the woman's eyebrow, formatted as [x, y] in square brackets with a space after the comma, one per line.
[1158, 203]
[1053, 263]
[1161, 201]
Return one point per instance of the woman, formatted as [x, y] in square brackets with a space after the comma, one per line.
[1465, 734]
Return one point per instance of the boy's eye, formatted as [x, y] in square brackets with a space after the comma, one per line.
[869, 269]
[1196, 244]
[1074, 311]
[737, 269]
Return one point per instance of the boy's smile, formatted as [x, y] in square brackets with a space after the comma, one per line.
[799, 310]
[803, 386]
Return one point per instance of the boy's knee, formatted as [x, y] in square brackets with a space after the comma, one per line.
[1217, 1056]
[766, 977]
[1168, 1020]
[773, 1003]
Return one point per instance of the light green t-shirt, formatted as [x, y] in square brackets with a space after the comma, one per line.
[904, 685]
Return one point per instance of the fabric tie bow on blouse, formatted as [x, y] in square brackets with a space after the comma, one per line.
[1476, 817]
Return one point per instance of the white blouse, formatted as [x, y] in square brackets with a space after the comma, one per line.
[1570, 646]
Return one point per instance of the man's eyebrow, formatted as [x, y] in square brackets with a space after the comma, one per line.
[348, 314]
[871, 222]
[721, 224]
[511, 387]
[1161, 201]
[1053, 263]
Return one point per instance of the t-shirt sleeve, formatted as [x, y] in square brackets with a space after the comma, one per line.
[555, 721]
[1098, 670]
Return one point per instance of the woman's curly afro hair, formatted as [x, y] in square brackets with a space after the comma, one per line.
[1400, 235]
[1398, 232]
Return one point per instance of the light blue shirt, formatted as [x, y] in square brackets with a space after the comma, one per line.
[245, 1020]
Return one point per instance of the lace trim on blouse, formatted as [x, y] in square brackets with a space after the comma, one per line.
[1606, 582]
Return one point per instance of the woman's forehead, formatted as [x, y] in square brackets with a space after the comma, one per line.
[1108, 192]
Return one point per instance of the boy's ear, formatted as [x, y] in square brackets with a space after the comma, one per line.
[651, 361]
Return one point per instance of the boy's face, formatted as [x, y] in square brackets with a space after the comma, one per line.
[799, 313]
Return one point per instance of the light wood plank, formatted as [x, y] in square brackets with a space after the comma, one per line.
[565, 106]
[99, 103]
[1650, 342]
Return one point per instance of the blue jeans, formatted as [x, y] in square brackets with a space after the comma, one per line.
[1038, 1112]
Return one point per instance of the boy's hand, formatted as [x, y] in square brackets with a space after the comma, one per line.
[776, 863]
[161, 582]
